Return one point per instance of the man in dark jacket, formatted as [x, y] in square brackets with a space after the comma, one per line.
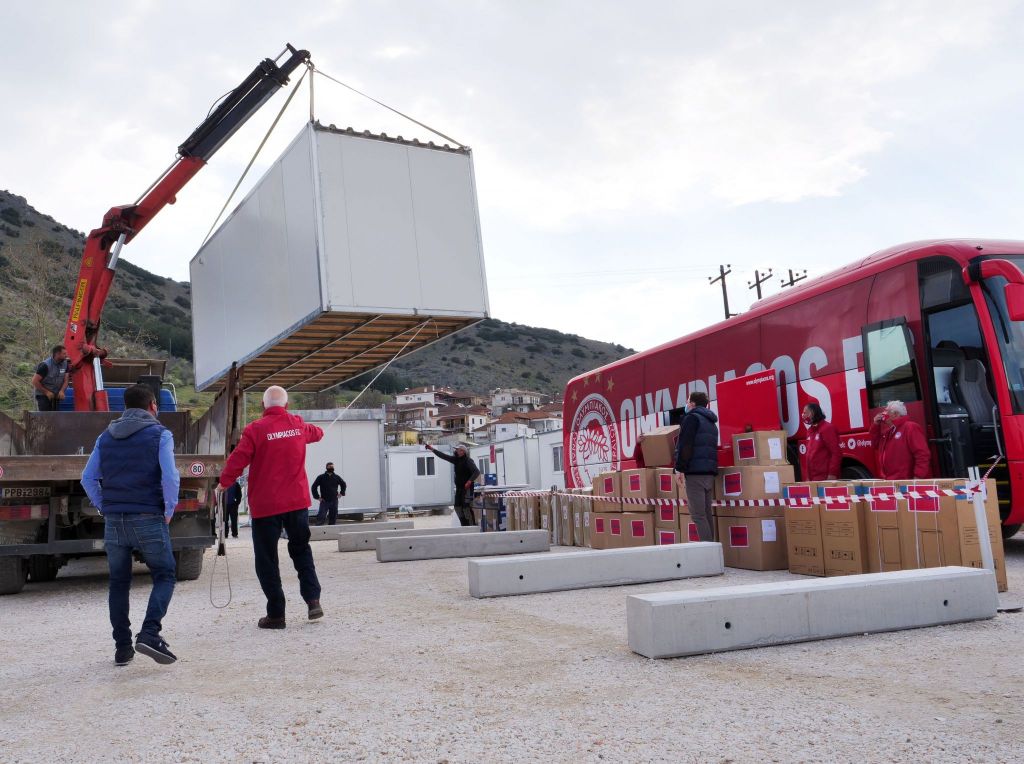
[232, 501]
[465, 473]
[131, 478]
[697, 461]
[326, 489]
[50, 381]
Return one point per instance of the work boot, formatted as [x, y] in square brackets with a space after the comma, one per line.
[315, 611]
[123, 655]
[156, 649]
[266, 622]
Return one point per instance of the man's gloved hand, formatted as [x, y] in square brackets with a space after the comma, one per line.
[469, 484]
[428, 446]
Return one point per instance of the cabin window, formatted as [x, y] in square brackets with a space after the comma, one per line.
[424, 466]
[556, 458]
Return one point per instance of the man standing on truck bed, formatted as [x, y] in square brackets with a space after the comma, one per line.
[697, 461]
[326, 488]
[131, 478]
[51, 379]
[464, 474]
[274, 449]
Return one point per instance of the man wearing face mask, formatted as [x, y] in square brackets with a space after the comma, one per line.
[901, 449]
[823, 458]
[326, 488]
[697, 461]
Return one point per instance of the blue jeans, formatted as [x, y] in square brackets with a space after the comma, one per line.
[266, 532]
[149, 535]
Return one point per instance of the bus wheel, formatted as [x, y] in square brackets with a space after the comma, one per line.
[13, 572]
[855, 472]
[1009, 531]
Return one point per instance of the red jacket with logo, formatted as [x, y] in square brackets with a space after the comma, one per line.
[274, 449]
[823, 457]
[901, 449]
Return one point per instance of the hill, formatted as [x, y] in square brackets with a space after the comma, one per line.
[150, 316]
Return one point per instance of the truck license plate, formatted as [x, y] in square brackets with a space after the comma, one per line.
[27, 492]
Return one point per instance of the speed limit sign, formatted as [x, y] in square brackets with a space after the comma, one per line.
[197, 469]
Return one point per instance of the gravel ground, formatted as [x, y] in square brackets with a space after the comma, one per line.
[407, 667]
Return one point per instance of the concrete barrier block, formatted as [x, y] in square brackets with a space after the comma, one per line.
[532, 573]
[461, 545]
[332, 532]
[671, 624]
[367, 540]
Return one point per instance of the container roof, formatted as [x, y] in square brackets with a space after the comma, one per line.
[335, 347]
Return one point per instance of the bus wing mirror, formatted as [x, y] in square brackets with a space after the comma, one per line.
[1015, 301]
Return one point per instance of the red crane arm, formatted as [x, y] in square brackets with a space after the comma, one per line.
[122, 224]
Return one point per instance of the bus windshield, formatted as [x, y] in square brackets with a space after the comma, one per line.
[1009, 334]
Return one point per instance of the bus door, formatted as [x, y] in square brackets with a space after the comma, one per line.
[890, 368]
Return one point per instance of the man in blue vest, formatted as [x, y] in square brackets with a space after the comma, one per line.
[131, 478]
[697, 461]
[51, 379]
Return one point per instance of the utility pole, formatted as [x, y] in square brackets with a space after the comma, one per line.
[723, 271]
[758, 280]
[794, 278]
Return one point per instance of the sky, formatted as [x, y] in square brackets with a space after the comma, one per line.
[623, 151]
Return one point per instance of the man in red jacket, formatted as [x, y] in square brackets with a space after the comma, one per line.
[274, 449]
[900, 445]
[823, 458]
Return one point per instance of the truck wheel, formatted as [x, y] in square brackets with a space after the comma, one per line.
[13, 572]
[42, 567]
[190, 564]
[1009, 531]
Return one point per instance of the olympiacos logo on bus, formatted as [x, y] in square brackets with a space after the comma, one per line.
[594, 440]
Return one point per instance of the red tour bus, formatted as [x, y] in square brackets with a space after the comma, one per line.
[933, 324]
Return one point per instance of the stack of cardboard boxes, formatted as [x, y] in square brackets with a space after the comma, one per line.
[873, 526]
[754, 536]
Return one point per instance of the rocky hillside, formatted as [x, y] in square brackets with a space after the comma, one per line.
[150, 316]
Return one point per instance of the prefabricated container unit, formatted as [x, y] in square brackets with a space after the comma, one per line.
[516, 461]
[351, 249]
[355, 444]
[552, 463]
[417, 478]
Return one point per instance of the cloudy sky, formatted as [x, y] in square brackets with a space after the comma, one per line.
[623, 150]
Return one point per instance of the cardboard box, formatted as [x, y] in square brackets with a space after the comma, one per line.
[600, 528]
[804, 546]
[881, 525]
[607, 492]
[664, 536]
[665, 485]
[565, 519]
[658, 447]
[765, 448]
[752, 482]
[688, 528]
[666, 516]
[639, 484]
[623, 529]
[577, 521]
[754, 543]
[588, 536]
[941, 530]
[842, 529]
[532, 513]
[547, 525]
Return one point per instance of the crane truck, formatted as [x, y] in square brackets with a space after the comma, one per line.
[45, 517]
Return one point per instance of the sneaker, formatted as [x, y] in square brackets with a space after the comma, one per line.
[123, 655]
[266, 622]
[155, 649]
[315, 611]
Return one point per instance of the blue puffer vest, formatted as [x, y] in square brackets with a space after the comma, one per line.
[704, 459]
[131, 472]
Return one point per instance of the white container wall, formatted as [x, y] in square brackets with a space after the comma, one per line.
[356, 446]
[417, 478]
[552, 466]
[517, 461]
[348, 246]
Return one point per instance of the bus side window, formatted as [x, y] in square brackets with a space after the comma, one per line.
[889, 367]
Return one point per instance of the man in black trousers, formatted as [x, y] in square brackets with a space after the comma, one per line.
[327, 487]
[465, 473]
